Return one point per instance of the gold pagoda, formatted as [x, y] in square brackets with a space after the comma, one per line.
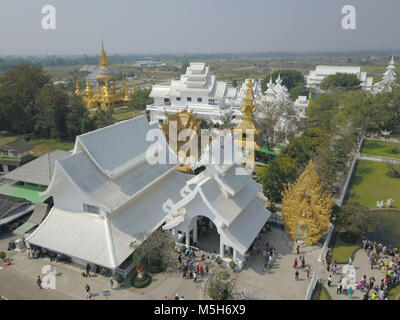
[106, 95]
[246, 132]
[175, 124]
[306, 208]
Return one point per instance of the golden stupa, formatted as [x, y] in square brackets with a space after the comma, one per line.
[175, 124]
[106, 95]
[246, 133]
[306, 208]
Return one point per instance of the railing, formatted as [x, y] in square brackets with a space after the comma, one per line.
[125, 272]
[312, 286]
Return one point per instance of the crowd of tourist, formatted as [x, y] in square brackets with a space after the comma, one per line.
[381, 257]
[190, 269]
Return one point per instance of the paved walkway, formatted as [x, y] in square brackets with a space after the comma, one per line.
[18, 281]
[279, 283]
[362, 266]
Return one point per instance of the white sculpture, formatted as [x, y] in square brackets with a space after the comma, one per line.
[389, 202]
[379, 204]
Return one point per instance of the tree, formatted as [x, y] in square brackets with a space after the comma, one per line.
[103, 118]
[290, 78]
[78, 120]
[19, 88]
[141, 99]
[52, 107]
[158, 249]
[322, 111]
[343, 81]
[355, 220]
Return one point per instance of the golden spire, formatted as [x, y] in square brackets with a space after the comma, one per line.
[248, 109]
[77, 89]
[103, 62]
[88, 89]
[309, 96]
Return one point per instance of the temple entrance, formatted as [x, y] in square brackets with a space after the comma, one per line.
[207, 235]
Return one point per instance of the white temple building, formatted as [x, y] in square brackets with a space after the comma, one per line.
[198, 91]
[107, 195]
[228, 197]
[316, 76]
[389, 80]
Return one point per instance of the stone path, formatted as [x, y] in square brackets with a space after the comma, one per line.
[362, 266]
[18, 281]
[279, 283]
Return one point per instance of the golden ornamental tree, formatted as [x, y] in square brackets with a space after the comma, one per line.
[306, 208]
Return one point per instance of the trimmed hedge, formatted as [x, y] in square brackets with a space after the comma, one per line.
[2, 255]
[156, 269]
[141, 284]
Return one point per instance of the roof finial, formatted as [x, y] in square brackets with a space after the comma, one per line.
[104, 62]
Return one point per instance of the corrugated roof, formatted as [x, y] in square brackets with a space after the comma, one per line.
[38, 171]
[19, 146]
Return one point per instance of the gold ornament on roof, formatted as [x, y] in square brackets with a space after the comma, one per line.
[306, 208]
[174, 125]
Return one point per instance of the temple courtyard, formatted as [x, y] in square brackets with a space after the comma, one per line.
[18, 280]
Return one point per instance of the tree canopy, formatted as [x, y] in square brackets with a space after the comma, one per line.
[290, 79]
[344, 81]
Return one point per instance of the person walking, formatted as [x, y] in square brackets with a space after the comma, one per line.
[39, 282]
[298, 249]
[295, 263]
[201, 271]
[296, 275]
[339, 287]
[194, 276]
[87, 270]
[329, 280]
[111, 282]
[176, 296]
[88, 293]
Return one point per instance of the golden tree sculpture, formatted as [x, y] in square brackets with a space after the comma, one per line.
[306, 208]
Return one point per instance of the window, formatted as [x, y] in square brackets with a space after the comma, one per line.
[199, 100]
[91, 209]
[178, 98]
[189, 99]
[211, 101]
[166, 100]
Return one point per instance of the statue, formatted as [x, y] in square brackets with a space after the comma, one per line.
[140, 271]
[389, 202]
[306, 208]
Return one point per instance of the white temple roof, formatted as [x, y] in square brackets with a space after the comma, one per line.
[117, 147]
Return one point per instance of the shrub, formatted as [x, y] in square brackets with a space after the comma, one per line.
[219, 287]
[143, 283]
[2, 255]
[156, 268]
[232, 265]
[183, 249]
[119, 278]
[218, 260]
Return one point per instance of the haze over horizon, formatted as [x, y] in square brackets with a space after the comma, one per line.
[189, 26]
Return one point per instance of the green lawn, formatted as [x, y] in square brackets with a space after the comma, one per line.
[343, 250]
[324, 295]
[388, 226]
[381, 148]
[371, 184]
[392, 294]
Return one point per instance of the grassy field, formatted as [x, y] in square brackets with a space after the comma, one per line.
[120, 116]
[324, 295]
[343, 250]
[381, 148]
[392, 294]
[371, 184]
[40, 146]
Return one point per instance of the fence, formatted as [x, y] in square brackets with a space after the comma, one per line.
[311, 287]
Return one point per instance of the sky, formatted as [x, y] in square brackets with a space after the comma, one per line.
[197, 26]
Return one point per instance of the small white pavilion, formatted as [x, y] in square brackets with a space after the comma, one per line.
[389, 79]
[226, 195]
